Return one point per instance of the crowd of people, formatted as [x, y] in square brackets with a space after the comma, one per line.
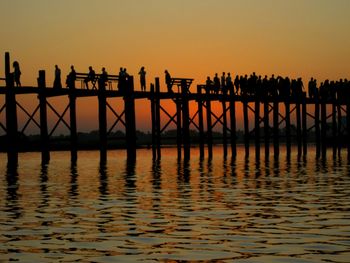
[244, 85]
[282, 87]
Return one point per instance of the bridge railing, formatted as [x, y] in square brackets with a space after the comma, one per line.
[83, 78]
[182, 84]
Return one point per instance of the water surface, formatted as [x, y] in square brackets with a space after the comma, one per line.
[170, 211]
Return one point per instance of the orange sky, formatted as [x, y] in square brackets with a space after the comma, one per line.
[190, 38]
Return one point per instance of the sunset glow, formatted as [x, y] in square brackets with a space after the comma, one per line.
[194, 39]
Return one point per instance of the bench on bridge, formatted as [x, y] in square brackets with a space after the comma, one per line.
[82, 77]
[183, 83]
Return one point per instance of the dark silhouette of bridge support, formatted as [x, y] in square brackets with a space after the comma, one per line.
[44, 135]
[233, 124]
[11, 116]
[304, 125]
[348, 125]
[257, 127]
[323, 129]
[246, 126]
[288, 131]
[276, 144]
[209, 123]
[73, 125]
[102, 117]
[130, 121]
[185, 119]
[266, 128]
[200, 122]
[317, 128]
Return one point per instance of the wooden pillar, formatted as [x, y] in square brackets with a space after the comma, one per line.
[11, 116]
[178, 128]
[298, 113]
[257, 128]
[153, 120]
[200, 122]
[323, 129]
[130, 120]
[334, 128]
[275, 128]
[339, 131]
[317, 128]
[102, 118]
[304, 125]
[224, 127]
[348, 126]
[73, 125]
[246, 126]
[266, 128]
[288, 134]
[44, 136]
[233, 124]
[185, 120]
[209, 124]
[157, 115]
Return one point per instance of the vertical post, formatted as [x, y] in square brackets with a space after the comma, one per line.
[44, 136]
[323, 129]
[73, 124]
[233, 123]
[266, 128]
[11, 116]
[130, 121]
[304, 125]
[246, 126]
[153, 120]
[288, 135]
[200, 122]
[348, 126]
[209, 125]
[185, 119]
[317, 127]
[334, 128]
[102, 118]
[257, 127]
[276, 127]
[298, 113]
[224, 127]
[178, 128]
[157, 115]
[339, 131]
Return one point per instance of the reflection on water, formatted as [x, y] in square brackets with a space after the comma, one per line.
[219, 210]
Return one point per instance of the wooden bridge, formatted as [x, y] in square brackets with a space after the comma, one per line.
[204, 120]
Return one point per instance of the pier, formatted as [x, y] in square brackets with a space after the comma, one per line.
[272, 117]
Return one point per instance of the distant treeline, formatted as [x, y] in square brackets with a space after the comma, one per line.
[116, 140]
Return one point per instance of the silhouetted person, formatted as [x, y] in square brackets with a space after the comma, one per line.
[229, 83]
[123, 75]
[142, 74]
[216, 83]
[168, 81]
[90, 77]
[16, 74]
[299, 87]
[72, 76]
[236, 84]
[57, 82]
[102, 81]
[265, 87]
[312, 88]
[223, 82]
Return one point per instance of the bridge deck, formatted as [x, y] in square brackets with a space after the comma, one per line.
[51, 92]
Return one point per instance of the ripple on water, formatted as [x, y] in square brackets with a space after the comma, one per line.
[171, 211]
